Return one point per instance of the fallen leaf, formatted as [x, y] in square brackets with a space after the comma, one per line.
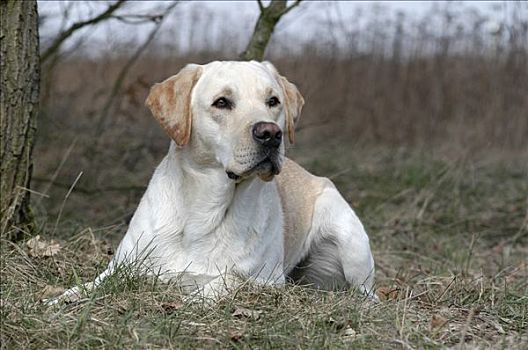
[50, 291]
[497, 326]
[172, 306]
[337, 324]
[350, 333]
[5, 304]
[195, 324]
[242, 312]
[438, 321]
[387, 293]
[42, 248]
[235, 334]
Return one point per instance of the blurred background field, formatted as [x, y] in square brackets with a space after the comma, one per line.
[419, 114]
[444, 79]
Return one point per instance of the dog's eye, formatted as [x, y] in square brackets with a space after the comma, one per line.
[273, 101]
[223, 103]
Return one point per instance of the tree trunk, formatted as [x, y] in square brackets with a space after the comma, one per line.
[269, 16]
[19, 96]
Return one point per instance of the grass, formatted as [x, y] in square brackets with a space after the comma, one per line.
[450, 240]
[448, 226]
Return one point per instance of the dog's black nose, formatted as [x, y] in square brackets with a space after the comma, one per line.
[267, 134]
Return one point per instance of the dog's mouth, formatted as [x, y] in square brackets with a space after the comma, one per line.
[265, 169]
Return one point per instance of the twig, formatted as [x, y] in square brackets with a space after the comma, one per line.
[61, 164]
[266, 22]
[138, 19]
[64, 202]
[407, 298]
[438, 299]
[91, 191]
[78, 25]
[289, 8]
[260, 5]
[33, 191]
[122, 74]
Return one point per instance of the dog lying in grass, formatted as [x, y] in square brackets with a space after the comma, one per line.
[226, 205]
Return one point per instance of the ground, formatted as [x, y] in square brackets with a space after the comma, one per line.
[449, 236]
[428, 145]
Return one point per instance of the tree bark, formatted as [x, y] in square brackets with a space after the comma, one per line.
[19, 97]
[268, 19]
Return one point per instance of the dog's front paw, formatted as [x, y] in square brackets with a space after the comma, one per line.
[70, 296]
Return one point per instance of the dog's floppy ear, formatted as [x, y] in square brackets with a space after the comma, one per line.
[293, 101]
[170, 103]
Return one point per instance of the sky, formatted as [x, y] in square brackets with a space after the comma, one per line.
[200, 24]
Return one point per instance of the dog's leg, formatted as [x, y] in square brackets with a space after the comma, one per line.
[76, 293]
[339, 252]
[214, 288]
[208, 289]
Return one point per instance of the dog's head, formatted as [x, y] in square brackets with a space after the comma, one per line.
[230, 114]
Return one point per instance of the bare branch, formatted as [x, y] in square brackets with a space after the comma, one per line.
[124, 71]
[260, 5]
[289, 8]
[138, 19]
[268, 19]
[76, 26]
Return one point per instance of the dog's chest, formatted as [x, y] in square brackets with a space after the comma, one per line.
[244, 235]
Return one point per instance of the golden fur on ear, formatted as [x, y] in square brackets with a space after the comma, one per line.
[170, 103]
[292, 106]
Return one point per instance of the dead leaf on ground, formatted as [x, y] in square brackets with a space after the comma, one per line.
[350, 333]
[235, 334]
[42, 248]
[50, 291]
[195, 324]
[172, 305]
[338, 324]
[387, 293]
[438, 321]
[5, 303]
[242, 312]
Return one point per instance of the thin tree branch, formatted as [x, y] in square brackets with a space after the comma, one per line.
[138, 19]
[76, 26]
[260, 5]
[124, 71]
[289, 8]
[268, 19]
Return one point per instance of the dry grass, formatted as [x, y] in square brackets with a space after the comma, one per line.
[450, 241]
[430, 149]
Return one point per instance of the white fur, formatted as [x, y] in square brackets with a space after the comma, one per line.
[195, 220]
[339, 242]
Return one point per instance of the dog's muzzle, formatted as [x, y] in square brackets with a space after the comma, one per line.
[269, 166]
[269, 137]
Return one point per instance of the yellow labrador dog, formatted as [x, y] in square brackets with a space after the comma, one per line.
[225, 203]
